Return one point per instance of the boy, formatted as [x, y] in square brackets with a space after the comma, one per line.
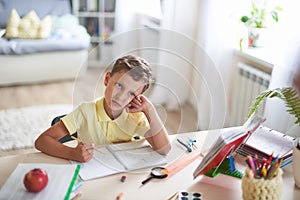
[122, 113]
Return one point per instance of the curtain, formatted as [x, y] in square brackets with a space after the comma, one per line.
[212, 83]
[287, 42]
[195, 59]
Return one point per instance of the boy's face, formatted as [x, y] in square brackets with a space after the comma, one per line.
[121, 88]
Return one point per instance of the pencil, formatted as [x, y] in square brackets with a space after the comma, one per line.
[264, 172]
[262, 165]
[79, 140]
[277, 167]
[271, 170]
[251, 165]
[75, 138]
[174, 196]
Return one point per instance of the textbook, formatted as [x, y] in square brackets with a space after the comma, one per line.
[76, 192]
[61, 181]
[228, 141]
[122, 157]
[265, 142]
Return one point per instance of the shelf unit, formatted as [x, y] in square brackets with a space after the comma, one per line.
[98, 17]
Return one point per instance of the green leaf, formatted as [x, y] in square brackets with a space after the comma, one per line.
[288, 95]
[245, 19]
[258, 99]
[274, 15]
[278, 8]
[259, 24]
[241, 44]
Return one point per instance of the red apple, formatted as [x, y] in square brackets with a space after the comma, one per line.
[35, 180]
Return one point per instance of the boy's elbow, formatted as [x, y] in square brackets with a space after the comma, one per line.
[36, 144]
[164, 150]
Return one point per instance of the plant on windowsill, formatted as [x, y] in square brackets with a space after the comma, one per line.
[260, 16]
[287, 94]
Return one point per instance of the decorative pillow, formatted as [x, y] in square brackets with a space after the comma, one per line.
[29, 27]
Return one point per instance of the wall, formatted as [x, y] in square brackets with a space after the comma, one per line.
[175, 53]
[196, 59]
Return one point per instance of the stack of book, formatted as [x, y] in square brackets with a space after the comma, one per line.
[265, 142]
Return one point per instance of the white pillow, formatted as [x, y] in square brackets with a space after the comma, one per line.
[67, 27]
[29, 27]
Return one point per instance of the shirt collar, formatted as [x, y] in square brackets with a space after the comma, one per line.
[102, 115]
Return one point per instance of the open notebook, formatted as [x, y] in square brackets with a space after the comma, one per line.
[117, 158]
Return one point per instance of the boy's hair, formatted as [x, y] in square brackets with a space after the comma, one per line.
[138, 68]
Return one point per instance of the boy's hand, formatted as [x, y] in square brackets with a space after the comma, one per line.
[83, 152]
[140, 103]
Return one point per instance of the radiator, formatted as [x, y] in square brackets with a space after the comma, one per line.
[250, 82]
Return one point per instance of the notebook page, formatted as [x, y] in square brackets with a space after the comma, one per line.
[102, 164]
[139, 158]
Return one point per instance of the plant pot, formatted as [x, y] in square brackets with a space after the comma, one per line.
[257, 37]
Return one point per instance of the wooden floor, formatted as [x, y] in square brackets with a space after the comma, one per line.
[87, 87]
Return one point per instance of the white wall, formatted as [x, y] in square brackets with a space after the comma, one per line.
[127, 22]
[176, 47]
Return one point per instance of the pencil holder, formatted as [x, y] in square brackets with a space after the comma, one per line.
[261, 189]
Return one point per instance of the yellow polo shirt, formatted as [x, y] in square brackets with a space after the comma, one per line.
[93, 125]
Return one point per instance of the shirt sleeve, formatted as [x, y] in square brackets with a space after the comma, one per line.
[71, 120]
[142, 124]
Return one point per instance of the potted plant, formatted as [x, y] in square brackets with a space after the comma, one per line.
[261, 13]
[286, 94]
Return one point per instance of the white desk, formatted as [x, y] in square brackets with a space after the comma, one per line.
[220, 187]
